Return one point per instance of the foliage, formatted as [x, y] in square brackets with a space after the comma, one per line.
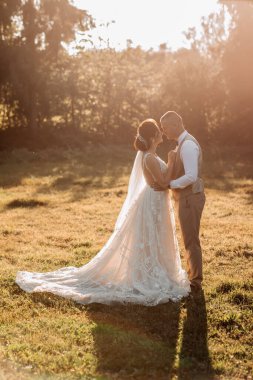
[105, 93]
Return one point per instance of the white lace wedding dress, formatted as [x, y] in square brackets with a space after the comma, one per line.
[140, 263]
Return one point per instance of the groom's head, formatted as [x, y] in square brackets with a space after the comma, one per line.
[172, 125]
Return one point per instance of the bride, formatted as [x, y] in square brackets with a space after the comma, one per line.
[140, 263]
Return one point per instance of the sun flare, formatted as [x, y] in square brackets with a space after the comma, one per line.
[146, 23]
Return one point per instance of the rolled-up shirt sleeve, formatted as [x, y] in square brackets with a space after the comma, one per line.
[189, 155]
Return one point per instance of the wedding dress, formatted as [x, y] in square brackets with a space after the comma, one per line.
[140, 263]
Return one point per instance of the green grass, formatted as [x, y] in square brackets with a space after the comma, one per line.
[58, 208]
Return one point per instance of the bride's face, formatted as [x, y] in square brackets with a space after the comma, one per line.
[158, 137]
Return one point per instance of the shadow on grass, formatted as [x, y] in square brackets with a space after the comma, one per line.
[75, 171]
[142, 341]
[138, 342]
[135, 341]
[194, 358]
[129, 341]
[224, 168]
[101, 167]
[25, 203]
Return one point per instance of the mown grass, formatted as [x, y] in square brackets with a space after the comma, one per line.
[58, 208]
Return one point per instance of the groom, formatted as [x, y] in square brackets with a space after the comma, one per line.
[188, 192]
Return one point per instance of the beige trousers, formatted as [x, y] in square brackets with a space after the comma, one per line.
[189, 210]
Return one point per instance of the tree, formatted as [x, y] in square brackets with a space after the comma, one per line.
[237, 69]
[42, 27]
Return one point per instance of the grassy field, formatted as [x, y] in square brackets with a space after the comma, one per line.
[58, 208]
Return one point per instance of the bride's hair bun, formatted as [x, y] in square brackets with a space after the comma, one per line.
[146, 130]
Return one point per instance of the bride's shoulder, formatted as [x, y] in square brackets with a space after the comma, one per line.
[153, 157]
[148, 156]
[150, 159]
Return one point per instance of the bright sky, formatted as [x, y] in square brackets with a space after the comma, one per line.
[146, 22]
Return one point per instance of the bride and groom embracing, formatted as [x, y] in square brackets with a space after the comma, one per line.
[140, 263]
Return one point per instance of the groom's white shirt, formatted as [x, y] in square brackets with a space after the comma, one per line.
[189, 155]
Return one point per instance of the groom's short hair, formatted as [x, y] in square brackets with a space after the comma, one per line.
[171, 117]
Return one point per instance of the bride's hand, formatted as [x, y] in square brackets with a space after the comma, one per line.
[157, 187]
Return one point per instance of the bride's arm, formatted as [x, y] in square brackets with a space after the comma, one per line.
[161, 178]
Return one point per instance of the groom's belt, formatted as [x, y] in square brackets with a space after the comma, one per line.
[196, 187]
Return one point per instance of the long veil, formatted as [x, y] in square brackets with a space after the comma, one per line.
[135, 186]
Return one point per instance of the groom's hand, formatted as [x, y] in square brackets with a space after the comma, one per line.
[157, 187]
[171, 157]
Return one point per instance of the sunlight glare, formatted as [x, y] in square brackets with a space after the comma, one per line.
[146, 23]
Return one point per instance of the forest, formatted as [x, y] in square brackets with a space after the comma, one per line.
[49, 97]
